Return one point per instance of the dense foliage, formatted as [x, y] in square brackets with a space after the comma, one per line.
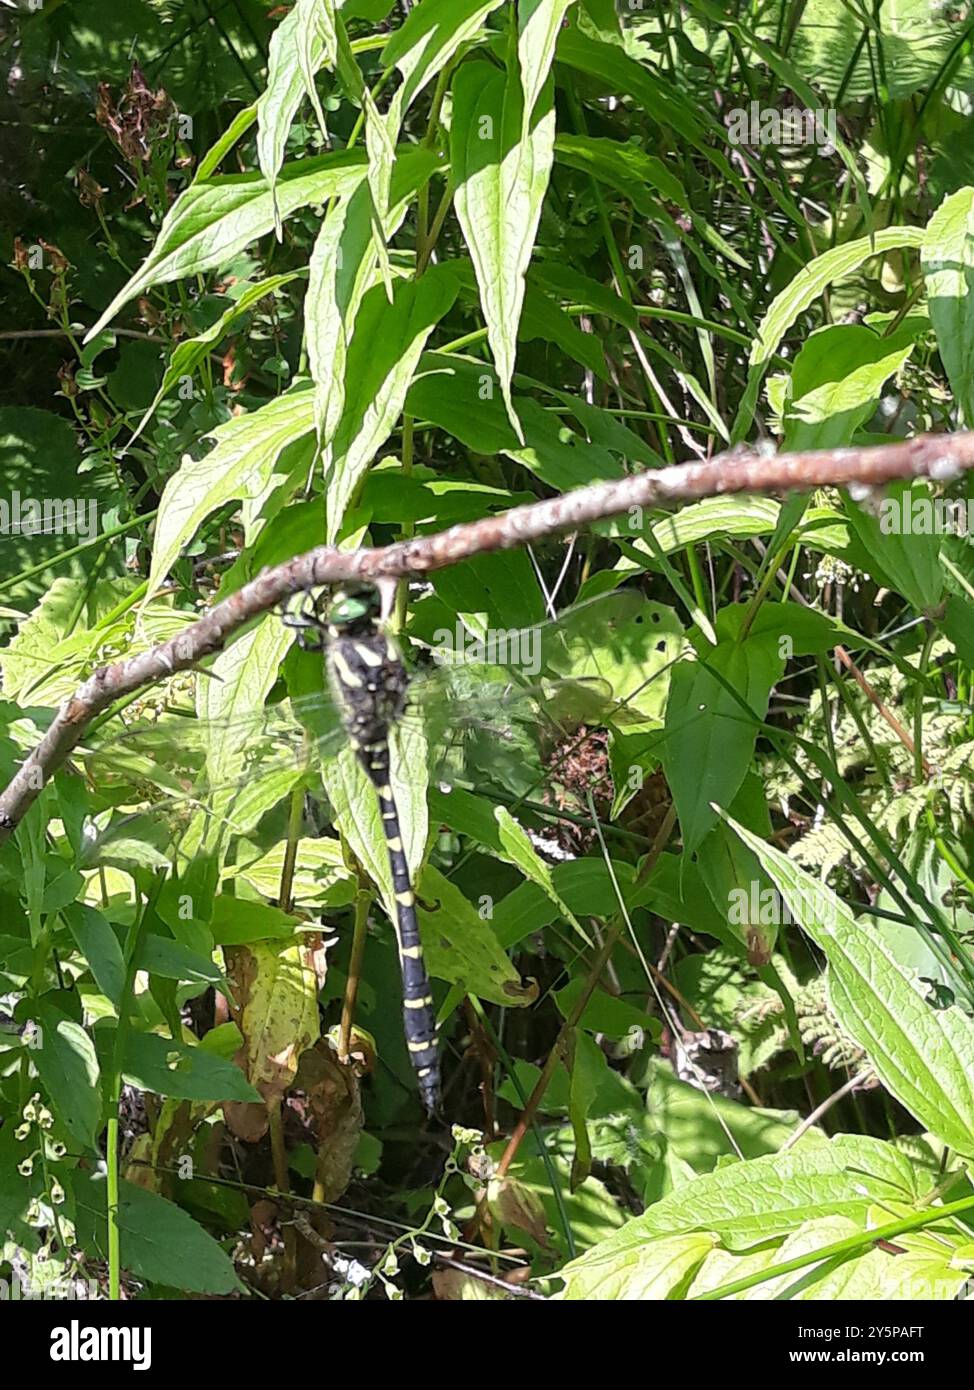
[353, 272]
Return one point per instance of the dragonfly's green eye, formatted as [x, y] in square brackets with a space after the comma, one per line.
[350, 607]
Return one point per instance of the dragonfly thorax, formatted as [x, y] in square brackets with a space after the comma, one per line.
[368, 682]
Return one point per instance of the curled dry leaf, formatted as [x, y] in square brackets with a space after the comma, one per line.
[334, 1111]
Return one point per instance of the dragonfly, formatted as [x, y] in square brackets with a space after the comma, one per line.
[369, 681]
[480, 717]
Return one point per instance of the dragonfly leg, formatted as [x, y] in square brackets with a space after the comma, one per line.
[306, 620]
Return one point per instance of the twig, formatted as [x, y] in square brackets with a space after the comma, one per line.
[939, 457]
[13, 334]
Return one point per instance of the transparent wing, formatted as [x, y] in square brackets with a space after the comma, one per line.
[493, 707]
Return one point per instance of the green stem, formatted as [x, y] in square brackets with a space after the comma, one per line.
[838, 1249]
[132, 945]
[918, 759]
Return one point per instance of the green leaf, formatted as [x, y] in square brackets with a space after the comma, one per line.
[431, 34]
[712, 518]
[539, 23]
[703, 1129]
[624, 643]
[585, 884]
[388, 343]
[160, 1243]
[836, 384]
[657, 1269]
[420, 48]
[923, 1055]
[947, 259]
[801, 292]
[68, 1067]
[296, 52]
[515, 845]
[749, 1202]
[341, 270]
[97, 942]
[501, 177]
[900, 547]
[213, 158]
[174, 961]
[460, 946]
[709, 738]
[217, 217]
[171, 1068]
[624, 167]
[248, 450]
[237, 921]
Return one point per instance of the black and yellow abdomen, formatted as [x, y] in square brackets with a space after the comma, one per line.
[369, 683]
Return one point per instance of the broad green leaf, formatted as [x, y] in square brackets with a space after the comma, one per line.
[585, 884]
[99, 945]
[625, 644]
[712, 519]
[874, 1275]
[387, 346]
[947, 259]
[217, 217]
[161, 1243]
[702, 1129]
[604, 1013]
[747, 1203]
[174, 961]
[836, 384]
[801, 631]
[68, 1067]
[542, 318]
[238, 921]
[172, 1068]
[497, 830]
[710, 740]
[655, 1269]
[801, 292]
[463, 397]
[501, 177]
[240, 466]
[901, 546]
[923, 1054]
[460, 946]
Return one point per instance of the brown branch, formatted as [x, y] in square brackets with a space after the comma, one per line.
[939, 457]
